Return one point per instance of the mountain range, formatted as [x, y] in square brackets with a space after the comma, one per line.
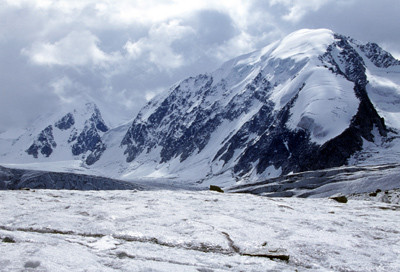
[312, 100]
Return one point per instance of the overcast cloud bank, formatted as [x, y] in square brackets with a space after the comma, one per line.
[125, 52]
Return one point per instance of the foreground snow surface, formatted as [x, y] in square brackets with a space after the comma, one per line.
[46, 230]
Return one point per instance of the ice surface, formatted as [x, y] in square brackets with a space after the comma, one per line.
[193, 231]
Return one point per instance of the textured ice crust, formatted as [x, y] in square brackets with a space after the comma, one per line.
[193, 231]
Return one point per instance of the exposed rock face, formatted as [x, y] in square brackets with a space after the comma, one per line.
[44, 143]
[97, 120]
[166, 128]
[65, 122]
[378, 56]
[88, 140]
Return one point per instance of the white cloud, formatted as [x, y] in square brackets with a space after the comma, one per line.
[392, 49]
[240, 44]
[76, 49]
[60, 87]
[150, 94]
[156, 47]
[297, 9]
[396, 54]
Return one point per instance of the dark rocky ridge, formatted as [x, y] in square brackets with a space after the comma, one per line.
[178, 138]
[378, 56]
[43, 143]
[65, 122]
[14, 179]
[90, 137]
[307, 184]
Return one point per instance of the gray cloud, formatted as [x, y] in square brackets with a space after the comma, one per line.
[124, 53]
[212, 27]
[368, 20]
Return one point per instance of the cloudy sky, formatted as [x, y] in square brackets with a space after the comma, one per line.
[124, 52]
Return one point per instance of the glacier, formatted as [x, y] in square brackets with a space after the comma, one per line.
[55, 230]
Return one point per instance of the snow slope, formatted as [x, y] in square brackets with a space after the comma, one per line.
[193, 231]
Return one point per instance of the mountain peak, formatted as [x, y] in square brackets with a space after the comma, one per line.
[304, 43]
[300, 103]
[71, 133]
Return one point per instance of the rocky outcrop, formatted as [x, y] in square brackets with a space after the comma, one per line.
[44, 143]
[378, 56]
[65, 122]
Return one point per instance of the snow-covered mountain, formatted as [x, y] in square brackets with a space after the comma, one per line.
[309, 101]
[73, 134]
[313, 100]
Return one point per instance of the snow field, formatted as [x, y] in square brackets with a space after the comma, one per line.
[193, 231]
